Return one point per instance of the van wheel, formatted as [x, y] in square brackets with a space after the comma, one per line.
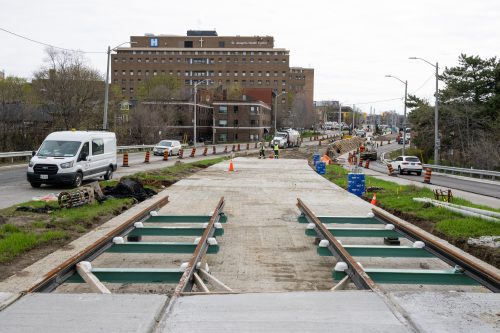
[78, 180]
[399, 170]
[109, 174]
[35, 185]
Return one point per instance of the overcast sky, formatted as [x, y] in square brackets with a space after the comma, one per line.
[351, 45]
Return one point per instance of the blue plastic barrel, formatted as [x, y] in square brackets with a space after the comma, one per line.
[356, 183]
[321, 168]
[316, 158]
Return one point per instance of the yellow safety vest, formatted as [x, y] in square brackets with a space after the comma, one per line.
[276, 147]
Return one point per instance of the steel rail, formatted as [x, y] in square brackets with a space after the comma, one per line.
[185, 283]
[483, 275]
[61, 273]
[354, 270]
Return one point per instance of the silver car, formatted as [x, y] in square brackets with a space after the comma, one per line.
[172, 146]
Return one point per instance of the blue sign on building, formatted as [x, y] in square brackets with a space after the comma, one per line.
[153, 42]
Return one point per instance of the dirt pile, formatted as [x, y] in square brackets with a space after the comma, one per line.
[129, 188]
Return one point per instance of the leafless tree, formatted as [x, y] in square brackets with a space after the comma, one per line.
[70, 89]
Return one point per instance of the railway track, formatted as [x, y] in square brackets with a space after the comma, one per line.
[380, 225]
[128, 239]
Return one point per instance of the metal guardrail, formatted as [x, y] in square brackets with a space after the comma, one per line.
[463, 171]
[15, 154]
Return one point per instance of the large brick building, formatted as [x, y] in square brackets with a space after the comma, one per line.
[251, 62]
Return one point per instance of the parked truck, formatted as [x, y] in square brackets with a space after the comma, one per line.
[370, 151]
[288, 138]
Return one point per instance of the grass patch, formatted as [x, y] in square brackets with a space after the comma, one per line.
[14, 241]
[156, 179]
[308, 134]
[399, 198]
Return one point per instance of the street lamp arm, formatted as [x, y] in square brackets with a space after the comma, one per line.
[416, 58]
[403, 82]
[114, 48]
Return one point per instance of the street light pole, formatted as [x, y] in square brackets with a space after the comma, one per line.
[437, 142]
[340, 120]
[106, 88]
[404, 116]
[106, 93]
[194, 111]
[276, 109]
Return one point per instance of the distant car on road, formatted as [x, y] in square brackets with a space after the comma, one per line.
[400, 140]
[173, 147]
[407, 164]
[359, 132]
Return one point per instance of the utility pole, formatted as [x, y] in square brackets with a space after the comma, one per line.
[340, 119]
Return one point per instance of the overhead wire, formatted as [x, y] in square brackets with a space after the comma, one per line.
[46, 44]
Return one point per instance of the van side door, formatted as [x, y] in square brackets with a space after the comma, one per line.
[98, 160]
[83, 158]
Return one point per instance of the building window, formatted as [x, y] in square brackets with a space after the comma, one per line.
[253, 109]
[235, 73]
[147, 60]
[162, 60]
[268, 73]
[116, 72]
[139, 72]
[251, 60]
[251, 73]
[131, 90]
[235, 123]
[223, 137]
[115, 59]
[283, 83]
[222, 123]
[131, 73]
[154, 73]
[235, 109]
[253, 123]
[223, 109]
[259, 83]
[243, 73]
[188, 43]
[147, 73]
[155, 60]
[267, 61]
[222, 44]
[124, 60]
[268, 83]
[259, 74]
[228, 73]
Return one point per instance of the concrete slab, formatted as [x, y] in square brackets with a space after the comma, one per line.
[264, 248]
[349, 311]
[82, 313]
[450, 312]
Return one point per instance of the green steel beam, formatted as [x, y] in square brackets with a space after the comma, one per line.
[380, 251]
[413, 276]
[343, 220]
[183, 219]
[357, 232]
[133, 275]
[158, 247]
[171, 231]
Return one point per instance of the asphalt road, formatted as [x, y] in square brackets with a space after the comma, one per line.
[486, 188]
[14, 188]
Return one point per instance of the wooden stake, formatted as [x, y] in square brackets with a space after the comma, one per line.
[91, 279]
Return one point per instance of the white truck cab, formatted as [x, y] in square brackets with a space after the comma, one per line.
[69, 157]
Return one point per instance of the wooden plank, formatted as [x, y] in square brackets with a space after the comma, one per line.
[83, 269]
[213, 280]
[199, 283]
[342, 284]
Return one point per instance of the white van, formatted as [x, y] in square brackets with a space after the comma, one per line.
[71, 156]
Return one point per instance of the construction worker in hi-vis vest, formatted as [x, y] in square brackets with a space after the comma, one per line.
[262, 148]
[276, 151]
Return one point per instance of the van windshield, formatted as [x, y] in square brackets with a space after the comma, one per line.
[55, 148]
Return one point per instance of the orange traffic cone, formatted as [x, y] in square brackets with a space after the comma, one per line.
[374, 199]
[231, 166]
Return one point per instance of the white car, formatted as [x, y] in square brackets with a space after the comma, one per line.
[407, 164]
[173, 147]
